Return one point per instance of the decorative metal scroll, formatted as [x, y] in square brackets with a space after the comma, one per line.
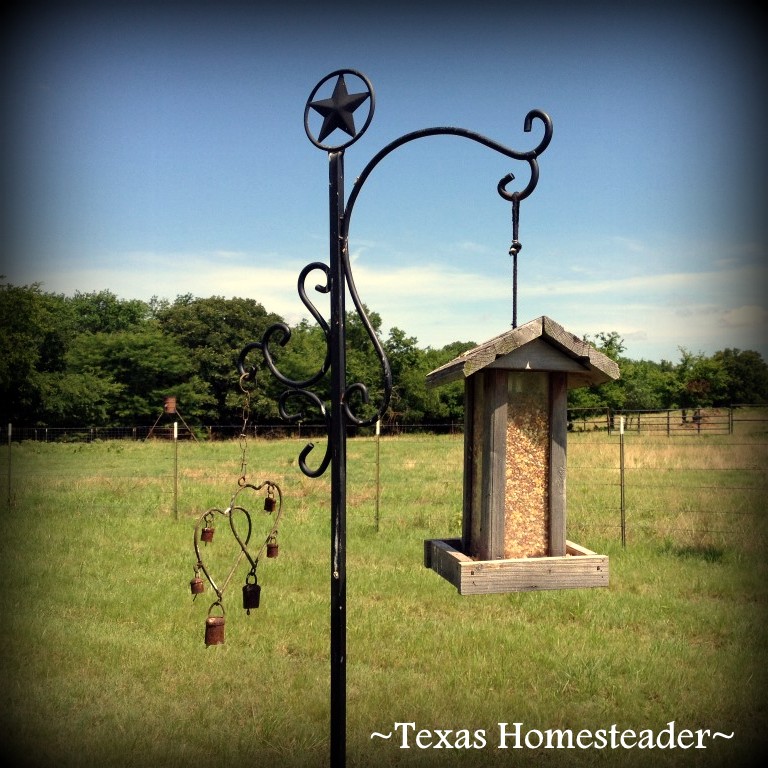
[337, 113]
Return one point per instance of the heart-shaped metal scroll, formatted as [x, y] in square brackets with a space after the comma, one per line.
[270, 486]
[201, 565]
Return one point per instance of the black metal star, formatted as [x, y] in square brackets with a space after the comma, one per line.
[337, 111]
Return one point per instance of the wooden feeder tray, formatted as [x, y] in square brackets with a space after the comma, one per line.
[578, 568]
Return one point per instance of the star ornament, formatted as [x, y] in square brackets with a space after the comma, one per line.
[337, 111]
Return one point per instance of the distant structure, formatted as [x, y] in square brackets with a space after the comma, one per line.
[169, 408]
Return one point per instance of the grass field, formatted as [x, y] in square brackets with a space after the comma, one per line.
[104, 662]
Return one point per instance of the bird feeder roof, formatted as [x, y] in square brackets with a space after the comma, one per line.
[539, 345]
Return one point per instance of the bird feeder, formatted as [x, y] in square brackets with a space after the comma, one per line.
[515, 433]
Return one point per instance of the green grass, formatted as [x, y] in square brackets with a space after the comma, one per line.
[104, 662]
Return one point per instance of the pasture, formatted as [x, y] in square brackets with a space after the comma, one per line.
[104, 662]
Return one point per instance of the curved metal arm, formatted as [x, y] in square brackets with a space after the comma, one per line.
[529, 156]
[386, 370]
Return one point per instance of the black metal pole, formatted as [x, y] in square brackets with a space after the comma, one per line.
[338, 444]
[337, 113]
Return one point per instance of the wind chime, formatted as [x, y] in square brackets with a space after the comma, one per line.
[240, 521]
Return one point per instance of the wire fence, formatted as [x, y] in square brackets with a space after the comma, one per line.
[700, 484]
[690, 504]
[679, 422]
[215, 432]
[672, 422]
[704, 490]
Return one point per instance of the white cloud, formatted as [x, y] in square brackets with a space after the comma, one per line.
[438, 304]
[630, 244]
[472, 247]
[649, 285]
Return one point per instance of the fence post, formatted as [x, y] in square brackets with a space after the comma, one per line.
[621, 483]
[176, 470]
[10, 432]
[378, 470]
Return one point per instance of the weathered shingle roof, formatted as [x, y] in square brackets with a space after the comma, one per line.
[542, 344]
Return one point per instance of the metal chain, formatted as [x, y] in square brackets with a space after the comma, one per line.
[514, 249]
[243, 432]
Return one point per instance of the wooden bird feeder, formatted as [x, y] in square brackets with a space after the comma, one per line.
[515, 433]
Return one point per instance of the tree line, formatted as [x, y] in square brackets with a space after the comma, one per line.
[95, 359]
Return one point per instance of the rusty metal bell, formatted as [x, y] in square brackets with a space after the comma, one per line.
[197, 586]
[269, 504]
[214, 630]
[251, 595]
[206, 534]
[272, 548]
[214, 625]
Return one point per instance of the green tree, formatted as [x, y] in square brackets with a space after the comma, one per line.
[408, 363]
[416, 402]
[60, 328]
[99, 360]
[104, 312]
[702, 381]
[611, 394]
[747, 374]
[71, 399]
[138, 369]
[447, 401]
[213, 331]
[647, 385]
[609, 343]
[24, 322]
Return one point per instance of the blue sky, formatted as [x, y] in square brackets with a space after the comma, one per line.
[158, 150]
